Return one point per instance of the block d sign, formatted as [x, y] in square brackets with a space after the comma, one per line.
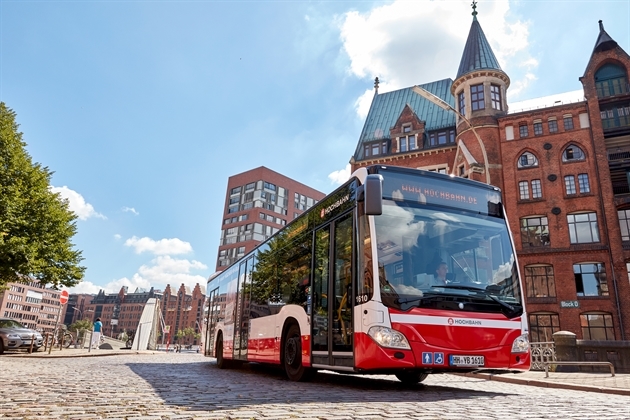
[63, 297]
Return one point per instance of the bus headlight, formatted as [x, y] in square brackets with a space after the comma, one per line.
[521, 344]
[387, 337]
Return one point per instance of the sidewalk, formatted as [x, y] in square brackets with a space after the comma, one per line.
[591, 382]
[578, 381]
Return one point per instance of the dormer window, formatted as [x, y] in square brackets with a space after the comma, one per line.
[407, 143]
[610, 80]
[375, 149]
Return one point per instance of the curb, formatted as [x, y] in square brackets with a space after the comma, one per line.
[99, 353]
[544, 384]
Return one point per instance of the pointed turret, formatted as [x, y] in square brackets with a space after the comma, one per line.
[604, 41]
[477, 54]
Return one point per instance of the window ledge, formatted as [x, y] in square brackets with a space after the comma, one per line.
[593, 297]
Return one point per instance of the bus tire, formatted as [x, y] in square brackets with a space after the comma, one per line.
[222, 363]
[292, 356]
[411, 378]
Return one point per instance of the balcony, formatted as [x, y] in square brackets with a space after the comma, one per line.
[619, 166]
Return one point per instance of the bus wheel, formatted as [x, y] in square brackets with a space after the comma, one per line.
[411, 378]
[221, 362]
[292, 356]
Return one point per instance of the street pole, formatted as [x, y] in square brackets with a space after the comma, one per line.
[447, 107]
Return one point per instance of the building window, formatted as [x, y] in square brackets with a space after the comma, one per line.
[250, 186]
[495, 96]
[610, 79]
[367, 150]
[553, 125]
[540, 281]
[624, 224]
[572, 153]
[583, 228]
[597, 326]
[590, 279]
[461, 99]
[542, 326]
[476, 97]
[538, 128]
[536, 189]
[527, 160]
[583, 183]
[235, 190]
[523, 189]
[569, 184]
[441, 137]
[534, 231]
[522, 131]
[568, 122]
[407, 143]
[269, 186]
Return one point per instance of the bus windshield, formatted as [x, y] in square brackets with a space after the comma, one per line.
[441, 257]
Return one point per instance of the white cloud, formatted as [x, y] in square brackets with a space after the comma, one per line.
[160, 247]
[77, 203]
[160, 272]
[130, 210]
[157, 273]
[340, 176]
[404, 44]
[117, 236]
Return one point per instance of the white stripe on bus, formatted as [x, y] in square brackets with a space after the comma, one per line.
[455, 322]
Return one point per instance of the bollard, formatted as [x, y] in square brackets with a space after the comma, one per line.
[30, 350]
[566, 350]
[51, 343]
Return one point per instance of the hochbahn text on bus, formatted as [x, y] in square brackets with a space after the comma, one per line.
[399, 271]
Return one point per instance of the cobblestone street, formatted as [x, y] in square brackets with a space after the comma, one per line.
[183, 386]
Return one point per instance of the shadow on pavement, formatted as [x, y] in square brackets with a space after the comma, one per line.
[202, 386]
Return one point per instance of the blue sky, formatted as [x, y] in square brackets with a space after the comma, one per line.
[143, 109]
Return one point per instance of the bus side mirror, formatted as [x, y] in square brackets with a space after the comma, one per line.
[373, 195]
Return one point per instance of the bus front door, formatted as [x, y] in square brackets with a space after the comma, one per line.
[331, 323]
[241, 321]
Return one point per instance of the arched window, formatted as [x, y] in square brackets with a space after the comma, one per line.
[597, 326]
[572, 153]
[610, 79]
[540, 281]
[542, 325]
[527, 160]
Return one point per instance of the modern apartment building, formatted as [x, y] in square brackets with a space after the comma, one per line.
[32, 304]
[258, 203]
[563, 167]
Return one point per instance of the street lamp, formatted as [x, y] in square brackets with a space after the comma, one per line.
[444, 105]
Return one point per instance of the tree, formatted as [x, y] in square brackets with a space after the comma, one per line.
[36, 225]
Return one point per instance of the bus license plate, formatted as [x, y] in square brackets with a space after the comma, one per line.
[460, 360]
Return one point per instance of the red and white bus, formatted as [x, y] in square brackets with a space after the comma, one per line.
[357, 284]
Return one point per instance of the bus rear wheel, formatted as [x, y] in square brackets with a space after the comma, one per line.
[221, 362]
[292, 356]
[411, 378]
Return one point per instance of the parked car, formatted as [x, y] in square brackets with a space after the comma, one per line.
[14, 335]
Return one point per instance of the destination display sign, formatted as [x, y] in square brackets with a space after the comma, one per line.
[336, 203]
[443, 192]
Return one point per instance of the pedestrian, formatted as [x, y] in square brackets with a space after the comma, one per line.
[96, 333]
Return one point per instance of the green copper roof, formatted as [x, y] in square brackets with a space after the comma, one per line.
[387, 107]
[477, 53]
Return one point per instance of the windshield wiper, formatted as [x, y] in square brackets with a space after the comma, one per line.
[508, 310]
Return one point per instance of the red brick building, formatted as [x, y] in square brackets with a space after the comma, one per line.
[563, 169]
[182, 309]
[258, 203]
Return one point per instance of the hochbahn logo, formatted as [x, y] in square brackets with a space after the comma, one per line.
[326, 210]
[459, 321]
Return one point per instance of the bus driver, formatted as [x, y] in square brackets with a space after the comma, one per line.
[439, 278]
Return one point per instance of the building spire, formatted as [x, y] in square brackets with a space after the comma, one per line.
[604, 41]
[477, 53]
[376, 86]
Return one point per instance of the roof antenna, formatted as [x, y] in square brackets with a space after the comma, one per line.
[376, 86]
[601, 25]
[474, 7]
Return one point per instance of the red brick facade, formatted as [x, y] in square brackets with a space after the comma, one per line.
[574, 176]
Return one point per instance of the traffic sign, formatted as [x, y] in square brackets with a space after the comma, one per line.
[63, 297]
